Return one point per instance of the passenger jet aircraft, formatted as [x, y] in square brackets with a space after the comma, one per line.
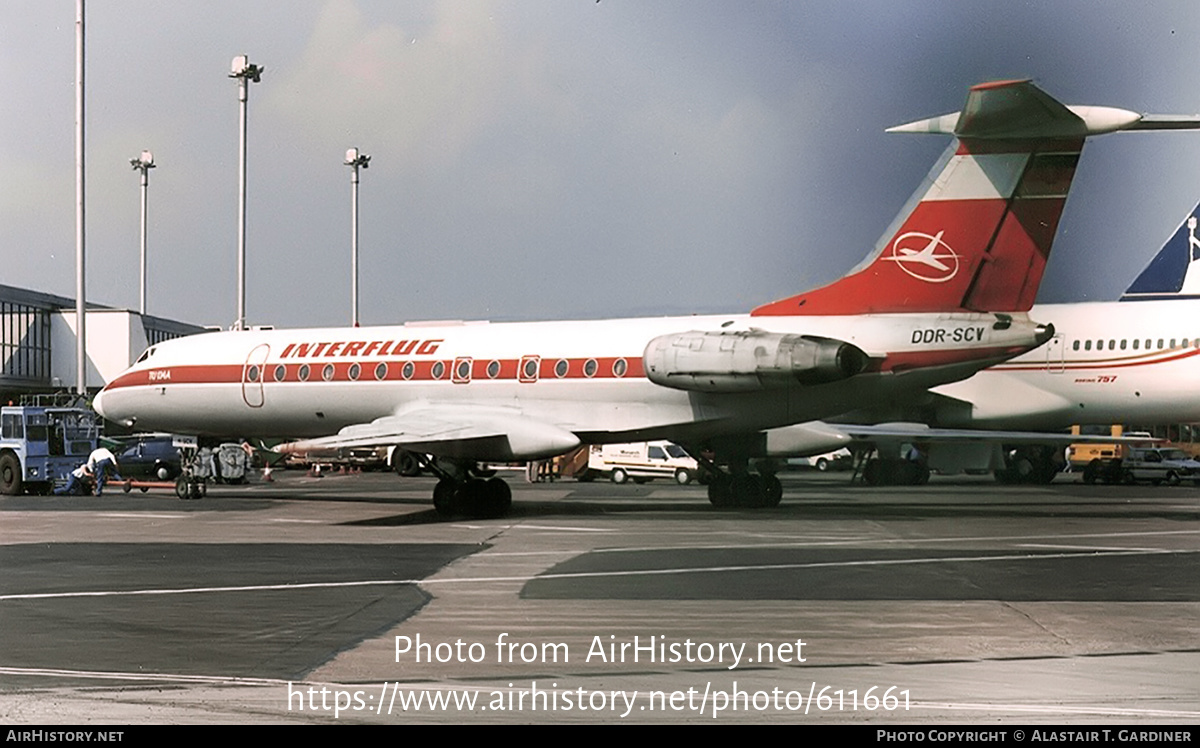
[944, 295]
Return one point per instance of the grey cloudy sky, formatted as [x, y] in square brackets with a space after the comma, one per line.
[557, 159]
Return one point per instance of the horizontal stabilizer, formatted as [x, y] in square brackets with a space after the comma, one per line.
[1019, 110]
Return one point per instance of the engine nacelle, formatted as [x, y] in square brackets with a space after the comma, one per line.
[748, 360]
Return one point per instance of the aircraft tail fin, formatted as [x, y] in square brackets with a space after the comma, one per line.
[978, 232]
[1174, 273]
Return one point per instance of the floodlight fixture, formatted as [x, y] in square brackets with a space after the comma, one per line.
[243, 68]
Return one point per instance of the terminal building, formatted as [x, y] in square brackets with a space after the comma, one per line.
[38, 342]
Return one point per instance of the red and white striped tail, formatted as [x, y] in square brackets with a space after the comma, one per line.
[981, 229]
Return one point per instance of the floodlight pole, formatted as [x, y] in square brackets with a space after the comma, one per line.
[80, 281]
[354, 160]
[245, 73]
[143, 164]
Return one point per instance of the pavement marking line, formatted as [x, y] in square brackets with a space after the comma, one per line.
[580, 575]
[226, 680]
[556, 527]
[914, 541]
[461, 526]
[134, 515]
[1065, 547]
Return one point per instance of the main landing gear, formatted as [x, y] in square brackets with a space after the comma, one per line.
[893, 471]
[1031, 464]
[741, 488]
[463, 491]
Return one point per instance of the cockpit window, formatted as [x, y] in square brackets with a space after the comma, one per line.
[145, 354]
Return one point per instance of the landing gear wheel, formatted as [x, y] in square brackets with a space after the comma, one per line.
[772, 491]
[922, 475]
[720, 493]
[469, 495]
[474, 497]
[872, 473]
[747, 490]
[445, 497]
[498, 498]
[181, 488]
[405, 463]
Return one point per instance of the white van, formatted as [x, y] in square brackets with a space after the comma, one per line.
[642, 461]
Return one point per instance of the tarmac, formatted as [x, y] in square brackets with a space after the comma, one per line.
[347, 599]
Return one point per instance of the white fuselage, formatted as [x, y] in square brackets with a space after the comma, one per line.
[585, 377]
[1109, 362]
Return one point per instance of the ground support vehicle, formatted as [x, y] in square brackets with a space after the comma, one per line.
[41, 443]
[642, 461]
[841, 459]
[1159, 465]
[151, 457]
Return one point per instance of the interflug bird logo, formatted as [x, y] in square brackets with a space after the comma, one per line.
[925, 256]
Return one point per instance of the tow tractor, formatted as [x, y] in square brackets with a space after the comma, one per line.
[43, 440]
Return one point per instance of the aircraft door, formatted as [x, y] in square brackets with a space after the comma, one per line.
[1055, 350]
[253, 373]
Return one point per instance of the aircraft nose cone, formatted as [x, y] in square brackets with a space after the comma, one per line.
[103, 404]
[98, 403]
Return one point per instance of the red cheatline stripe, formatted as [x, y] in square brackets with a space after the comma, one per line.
[1150, 359]
[600, 367]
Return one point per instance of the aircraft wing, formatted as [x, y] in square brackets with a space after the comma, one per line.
[921, 432]
[485, 433]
